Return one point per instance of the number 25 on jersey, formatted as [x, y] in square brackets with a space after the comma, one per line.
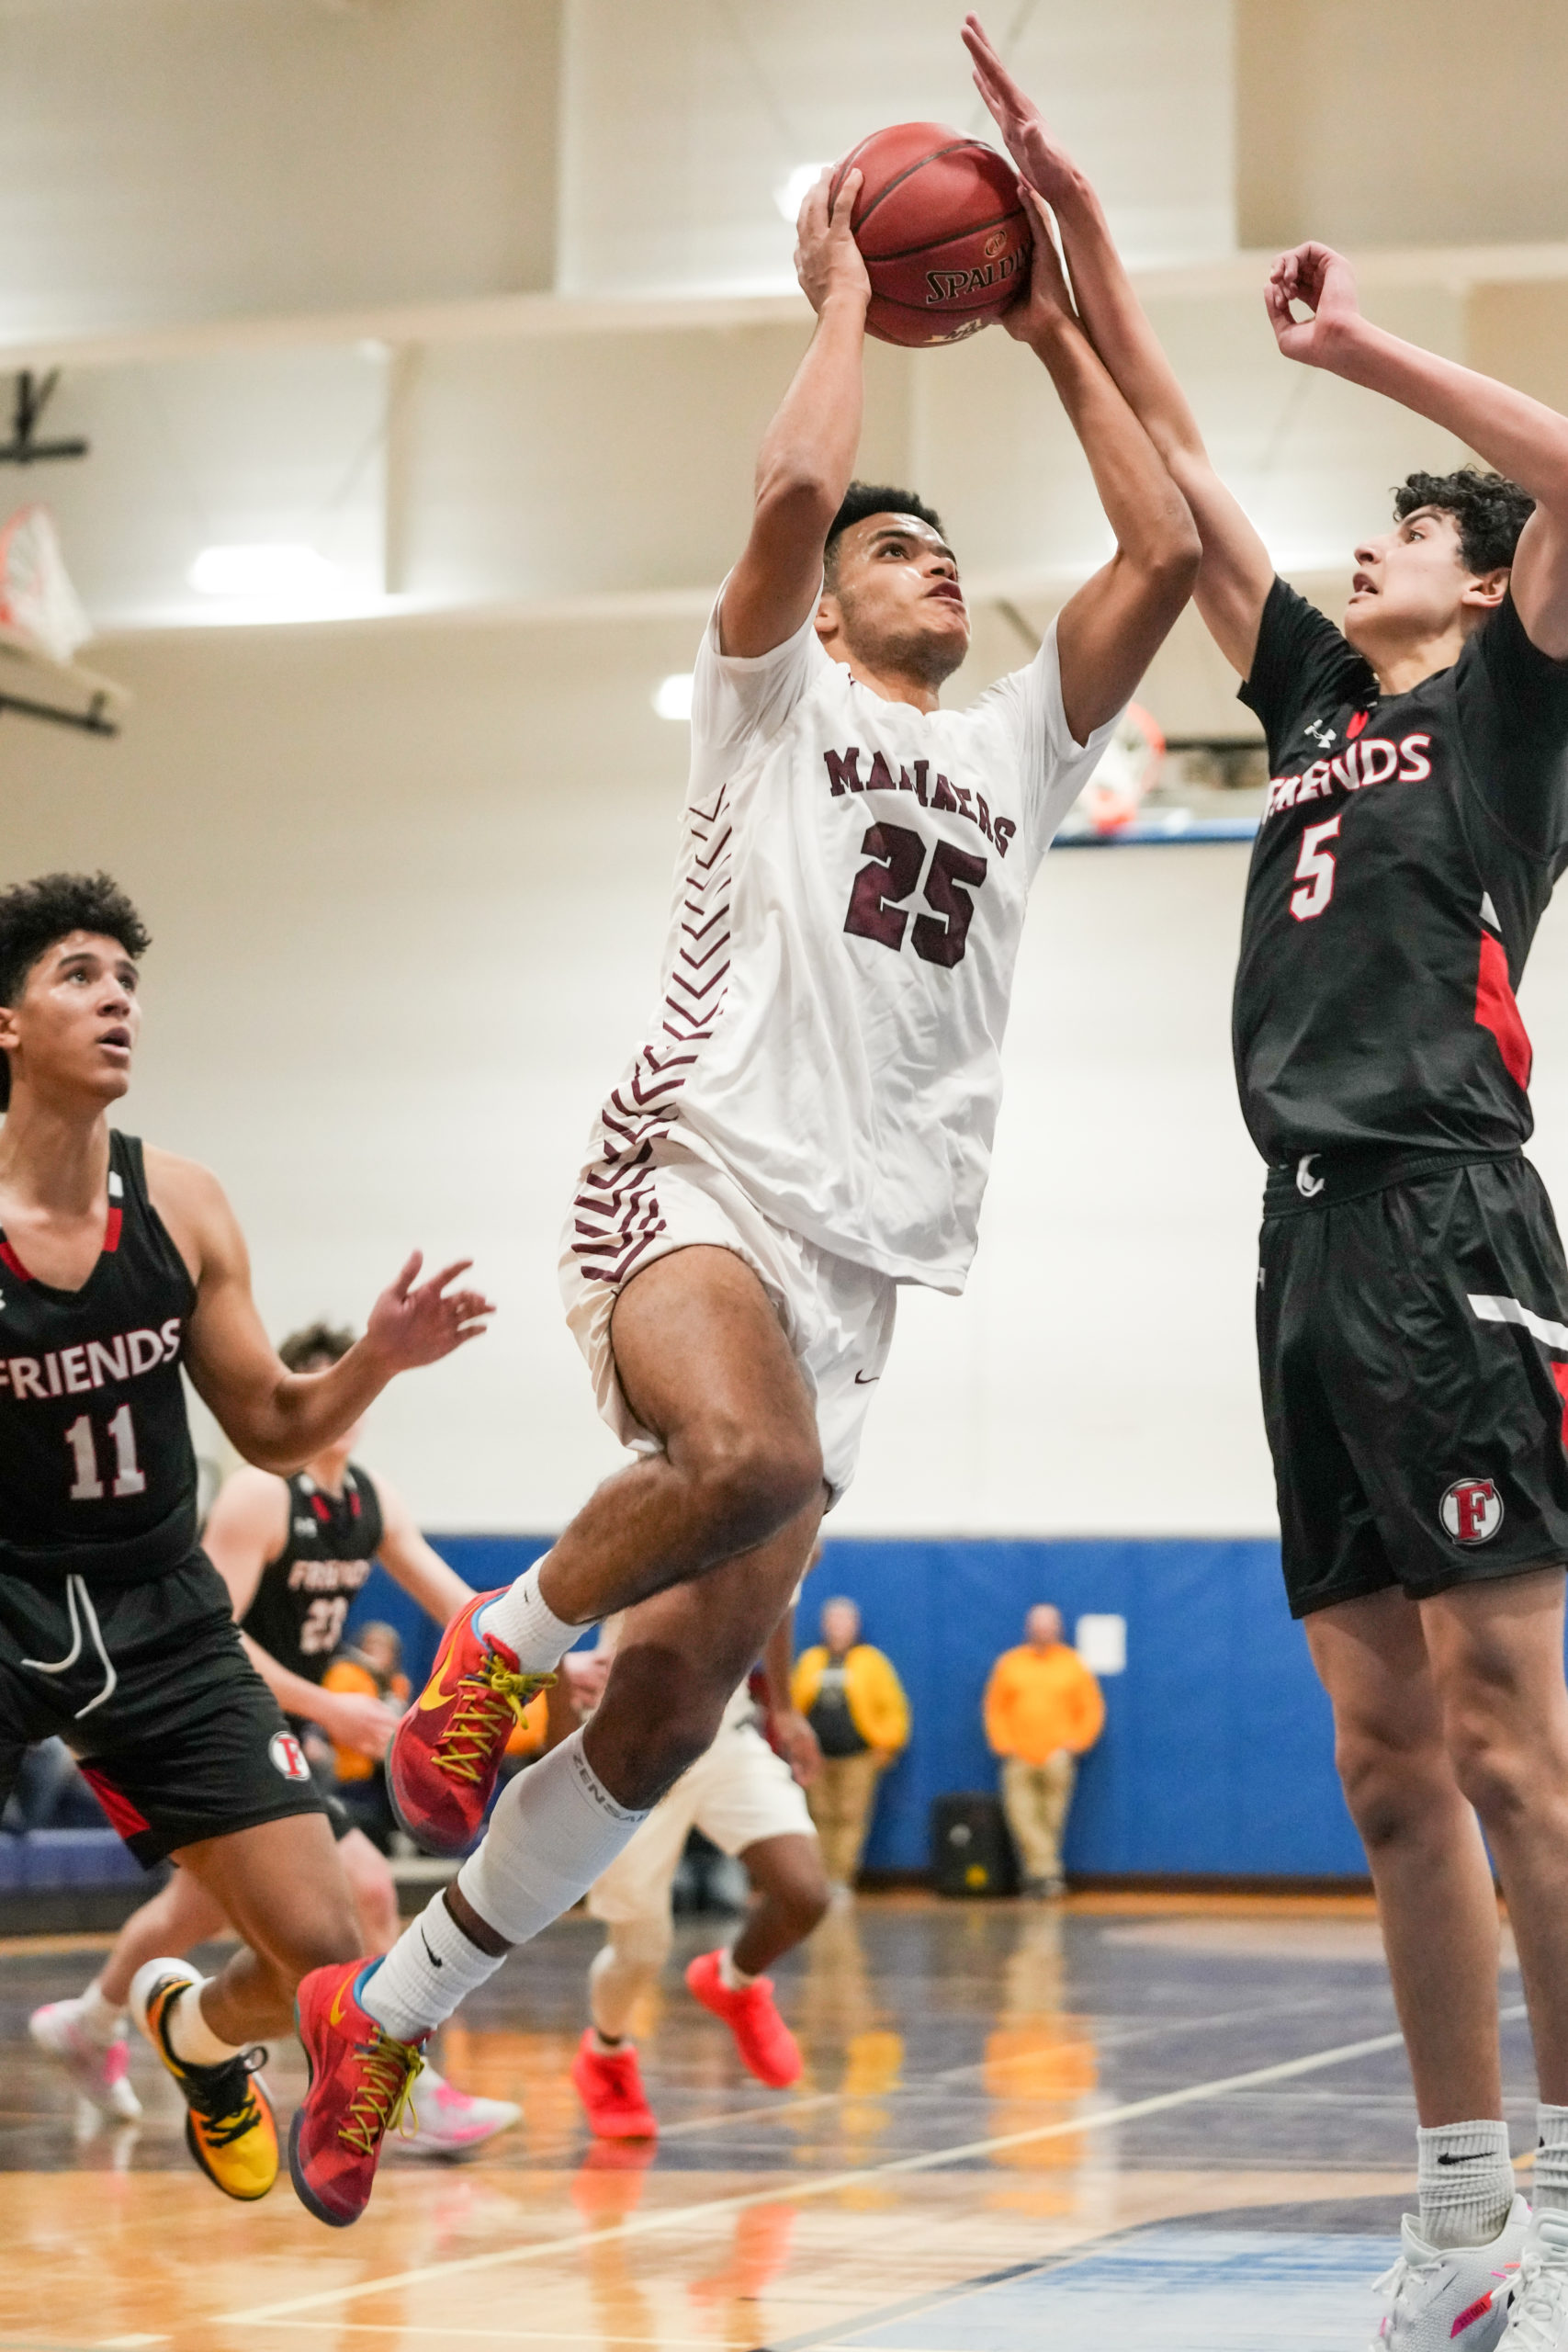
[1315, 871]
[896, 855]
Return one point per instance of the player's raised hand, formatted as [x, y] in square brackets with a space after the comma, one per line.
[1046, 300]
[827, 258]
[1323, 281]
[414, 1323]
[1043, 160]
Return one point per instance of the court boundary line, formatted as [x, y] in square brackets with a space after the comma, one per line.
[680, 2217]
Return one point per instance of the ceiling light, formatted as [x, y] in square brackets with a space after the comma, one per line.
[790, 195]
[274, 568]
[672, 696]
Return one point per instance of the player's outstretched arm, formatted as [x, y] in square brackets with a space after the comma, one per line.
[279, 1418]
[416, 1565]
[807, 457]
[1108, 634]
[1236, 575]
[247, 1527]
[1523, 438]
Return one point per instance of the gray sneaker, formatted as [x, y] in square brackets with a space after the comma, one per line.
[1538, 2307]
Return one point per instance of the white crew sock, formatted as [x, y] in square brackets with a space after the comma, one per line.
[100, 2020]
[522, 1619]
[431, 1968]
[1466, 2182]
[1551, 2185]
[190, 2036]
[555, 1828]
[733, 1979]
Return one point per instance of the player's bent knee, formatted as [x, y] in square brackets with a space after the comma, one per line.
[751, 1483]
[1392, 1793]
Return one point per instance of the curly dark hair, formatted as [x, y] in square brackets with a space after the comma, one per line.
[321, 1342]
[33, 915]
[1489, 510]
[864, 498]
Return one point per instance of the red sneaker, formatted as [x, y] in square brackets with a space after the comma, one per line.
[360, 2081]
[445, 1757]
[765, 2042]
[609, 2084]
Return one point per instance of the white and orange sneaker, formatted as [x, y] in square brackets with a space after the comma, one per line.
[1451, 2299]
[449, 2123]
[100, 2070]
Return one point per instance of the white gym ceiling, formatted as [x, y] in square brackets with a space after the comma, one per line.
[480, 305]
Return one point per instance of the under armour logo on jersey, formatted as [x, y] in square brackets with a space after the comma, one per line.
[1319, 732]
[1472, 1510]
[1307, 1184]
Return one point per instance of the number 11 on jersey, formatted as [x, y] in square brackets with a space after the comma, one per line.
[130, 1479]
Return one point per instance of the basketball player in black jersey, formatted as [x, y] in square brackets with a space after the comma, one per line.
[1413, 1297]
[293, 1553]
[118, 1268]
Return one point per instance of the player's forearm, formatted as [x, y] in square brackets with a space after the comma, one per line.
[1154, 527]
[1119, 329]
[807, 457]
[293, 1694]
[281, 1426]
[1521, 438]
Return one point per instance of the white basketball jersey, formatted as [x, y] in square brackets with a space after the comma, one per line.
[849, 896]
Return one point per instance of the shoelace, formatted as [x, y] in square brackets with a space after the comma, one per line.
[383, 2099]
[492, 1700]
[1539, 2307]
[227, 2117]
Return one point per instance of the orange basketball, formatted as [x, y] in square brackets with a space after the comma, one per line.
[942, 230]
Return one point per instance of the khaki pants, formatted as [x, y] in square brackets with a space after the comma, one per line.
[1035, 1798]
[841, 1797]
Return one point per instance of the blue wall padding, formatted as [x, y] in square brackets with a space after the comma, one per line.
[1217, 1755]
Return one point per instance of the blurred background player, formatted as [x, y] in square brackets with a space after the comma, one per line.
[371, 1667]
[850, 1695]
[293, 1553]
[1044, 1709]
[745, 1797]
[1411, 1288]
[731, 1261]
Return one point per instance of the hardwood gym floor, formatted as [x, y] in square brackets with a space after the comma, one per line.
[1155, 2115]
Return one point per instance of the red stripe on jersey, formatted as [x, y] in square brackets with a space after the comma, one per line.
[1495, 1010]
[122, 1814]
[1560, 1374]
[112, 1224]
[9, 1258]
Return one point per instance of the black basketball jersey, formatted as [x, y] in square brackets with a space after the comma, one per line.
[96, 1467]
[1407, 851]
[305, 1594]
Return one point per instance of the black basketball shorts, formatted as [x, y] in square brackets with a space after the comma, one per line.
[150, 1687]
[1412, 1341]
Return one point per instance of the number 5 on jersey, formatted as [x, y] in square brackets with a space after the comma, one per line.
[1315, 871]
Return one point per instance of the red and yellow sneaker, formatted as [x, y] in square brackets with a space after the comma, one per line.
[609, 2084]
[446, 1754]
[360, 2082]
[766, 2044]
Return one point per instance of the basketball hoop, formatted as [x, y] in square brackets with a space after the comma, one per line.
[37, 599]
[1132, 759]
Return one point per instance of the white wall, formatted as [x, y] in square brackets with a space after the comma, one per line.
[407, 887]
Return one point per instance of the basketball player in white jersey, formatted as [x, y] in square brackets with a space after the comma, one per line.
[807, 1124]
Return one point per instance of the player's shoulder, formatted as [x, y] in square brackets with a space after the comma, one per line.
[252, 1497]
[186, 1187]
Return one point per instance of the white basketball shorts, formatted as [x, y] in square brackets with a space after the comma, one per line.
[738, 1794]
[837, 1317]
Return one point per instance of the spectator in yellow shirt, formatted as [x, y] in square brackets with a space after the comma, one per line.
[852, 1699]
[1044, 1710]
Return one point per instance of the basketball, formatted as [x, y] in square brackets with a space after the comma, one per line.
[942, 231]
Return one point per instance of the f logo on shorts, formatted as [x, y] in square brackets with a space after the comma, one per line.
[1472, 1510]
[287, 1757]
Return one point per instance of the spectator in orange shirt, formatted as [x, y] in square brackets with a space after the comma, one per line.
[1044, 1710]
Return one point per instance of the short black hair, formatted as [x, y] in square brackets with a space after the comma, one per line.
[315, 1343]
[864, 498]
[33, 915]
[1489, 510]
